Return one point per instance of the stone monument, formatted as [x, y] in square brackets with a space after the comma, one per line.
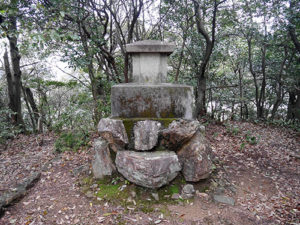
[151, 135]
[149, 95]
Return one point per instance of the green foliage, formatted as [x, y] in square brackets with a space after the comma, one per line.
[71, 141]
[7, 130]
[243, 146]
[251, 139]
[293, 124]
[232, 130]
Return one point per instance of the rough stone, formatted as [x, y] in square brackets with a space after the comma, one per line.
[195, 159]
[175, 196]
[102, 164]
[188, 191]
[89, 194]
[81, 170]
[146, 169]
[155, 196]
[202, 195]
[152, 101]
[113, 131]
[146, 134]
[179, 132]
[224, 199]
[19, 191]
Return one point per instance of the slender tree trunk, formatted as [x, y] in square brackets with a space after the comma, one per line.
[262, 95]
[180, 60]
[241, 86]
[279, 88]
[209, 41]
[89, 56]
[126, 67]
[29, 110]
[10, 87]
[15, 60]
[32, 103]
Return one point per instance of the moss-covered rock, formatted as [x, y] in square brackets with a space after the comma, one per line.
[129, 123]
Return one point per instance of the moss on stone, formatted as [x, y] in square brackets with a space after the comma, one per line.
[119, 192]
[129, 123]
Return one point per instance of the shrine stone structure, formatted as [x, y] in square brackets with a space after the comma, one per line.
[149, 95]
[152, 134]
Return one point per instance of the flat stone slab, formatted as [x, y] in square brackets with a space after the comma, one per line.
[150, 46]
[148, 169]
[152, 100]
[146, 134]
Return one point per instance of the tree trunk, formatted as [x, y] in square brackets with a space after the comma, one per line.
[262, 95]
[241, 86]
[15, 60]
[200, 97]
[126, 67]
[10, 87]
[180, 59]
[32, 103]
[294, 105]
[29, 110]
[89, 56]
[279, 88]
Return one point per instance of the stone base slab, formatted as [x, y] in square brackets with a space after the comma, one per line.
[157, 100]
[148, 169]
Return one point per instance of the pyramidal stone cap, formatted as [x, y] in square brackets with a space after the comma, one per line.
[151, 46]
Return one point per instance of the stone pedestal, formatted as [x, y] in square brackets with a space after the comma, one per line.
[149, 61]
[143, 109]
[152, 101]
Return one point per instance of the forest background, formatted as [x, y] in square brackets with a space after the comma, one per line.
[242, 57]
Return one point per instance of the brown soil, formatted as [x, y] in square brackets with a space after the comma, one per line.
[263, 178]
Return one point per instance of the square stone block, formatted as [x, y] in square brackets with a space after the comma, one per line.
[152, 101]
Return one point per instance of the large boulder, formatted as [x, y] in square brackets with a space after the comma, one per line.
[102, 164]
[195, 159]
[148, 169]
[146, 134]
[179, 132]
[114, 132]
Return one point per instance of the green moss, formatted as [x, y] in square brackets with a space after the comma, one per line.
[173, 189]
[111, 192]
[119, 192]
[105, 180]
[87, 180]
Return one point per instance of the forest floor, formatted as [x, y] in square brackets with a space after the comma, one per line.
[257, 166]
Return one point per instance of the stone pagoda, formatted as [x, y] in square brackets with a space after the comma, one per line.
[151, 135]
[149, 96]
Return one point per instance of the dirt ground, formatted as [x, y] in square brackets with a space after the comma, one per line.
[257, 166]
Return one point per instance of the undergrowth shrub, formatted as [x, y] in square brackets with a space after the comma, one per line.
[251, 139]
[71, 141]
[7, 130]
[293, 124]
